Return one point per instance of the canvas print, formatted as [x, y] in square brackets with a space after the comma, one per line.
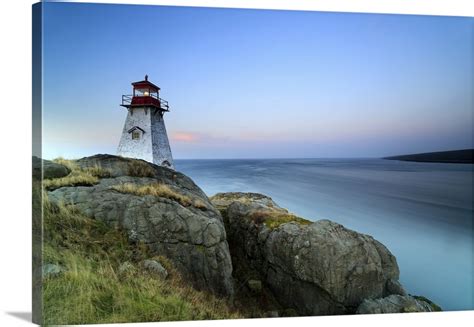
[205, 163]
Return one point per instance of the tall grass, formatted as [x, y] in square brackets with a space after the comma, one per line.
[139, 168]
[66, 162]
[78, 176]
[160, 190]
[92, 288]
[75, 178]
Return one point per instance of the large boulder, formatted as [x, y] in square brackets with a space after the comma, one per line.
[46, 169]
[161, 208]
[317, 267]
[395, 304]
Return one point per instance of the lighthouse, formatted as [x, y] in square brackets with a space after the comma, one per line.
[144, 133]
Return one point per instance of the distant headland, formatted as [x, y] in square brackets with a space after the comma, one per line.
[456, 156]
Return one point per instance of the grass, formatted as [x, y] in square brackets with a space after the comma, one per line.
[137, 168]
[78, 176]
[273, 219]
[160, 190]
[65, 162]
[98, 172]
[199, 205]
[93, 290]
[75, 178]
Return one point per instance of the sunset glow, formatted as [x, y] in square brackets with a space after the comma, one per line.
[184, 137]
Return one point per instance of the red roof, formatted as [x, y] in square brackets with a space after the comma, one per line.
[145, 84]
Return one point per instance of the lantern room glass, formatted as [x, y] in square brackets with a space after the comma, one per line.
[145, 92]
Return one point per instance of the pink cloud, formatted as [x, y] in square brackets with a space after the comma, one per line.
[184, 137]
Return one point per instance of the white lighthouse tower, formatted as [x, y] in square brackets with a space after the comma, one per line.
[144, 133]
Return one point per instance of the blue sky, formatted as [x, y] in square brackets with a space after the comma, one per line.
[259, 83]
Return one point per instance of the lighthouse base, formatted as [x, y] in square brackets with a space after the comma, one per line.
[144, 137]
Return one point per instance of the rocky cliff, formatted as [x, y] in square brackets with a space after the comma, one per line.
[160, 208]
[240, 244]
[315, 268]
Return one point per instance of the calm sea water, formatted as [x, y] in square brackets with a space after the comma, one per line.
[423, 212]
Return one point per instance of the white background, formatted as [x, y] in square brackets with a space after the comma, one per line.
[15, 151]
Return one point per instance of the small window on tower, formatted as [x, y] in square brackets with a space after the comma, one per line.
[135, 135]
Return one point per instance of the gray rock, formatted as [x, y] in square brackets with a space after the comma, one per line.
[394, 304]
[126, 268]
[316, 268]
[156, 268]
[50, 169]
[52, 270]
[223, 200]
[394, 287]
[193, 238]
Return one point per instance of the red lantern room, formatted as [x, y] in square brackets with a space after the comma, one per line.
[145, 94]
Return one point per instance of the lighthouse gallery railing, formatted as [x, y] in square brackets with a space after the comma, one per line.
[127, 100]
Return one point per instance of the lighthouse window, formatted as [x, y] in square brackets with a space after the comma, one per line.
[135, 135]
[142, 92]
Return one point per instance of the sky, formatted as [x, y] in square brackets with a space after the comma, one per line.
[259, 83]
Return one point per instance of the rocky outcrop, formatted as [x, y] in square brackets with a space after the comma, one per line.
[179, 223]
[50, 169]
[288, 265]
[395, 304]
[315, 268]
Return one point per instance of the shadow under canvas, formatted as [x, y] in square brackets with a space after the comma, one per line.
[23, 315]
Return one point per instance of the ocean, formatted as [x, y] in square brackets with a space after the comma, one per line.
[422, 212]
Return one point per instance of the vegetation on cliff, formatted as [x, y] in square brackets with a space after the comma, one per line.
[77, 177]
[274, 219]
[268, 212]
[94, 287]
[433, 305]
[160, 190]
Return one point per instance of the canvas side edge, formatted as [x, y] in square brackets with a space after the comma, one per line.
[37, 194]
